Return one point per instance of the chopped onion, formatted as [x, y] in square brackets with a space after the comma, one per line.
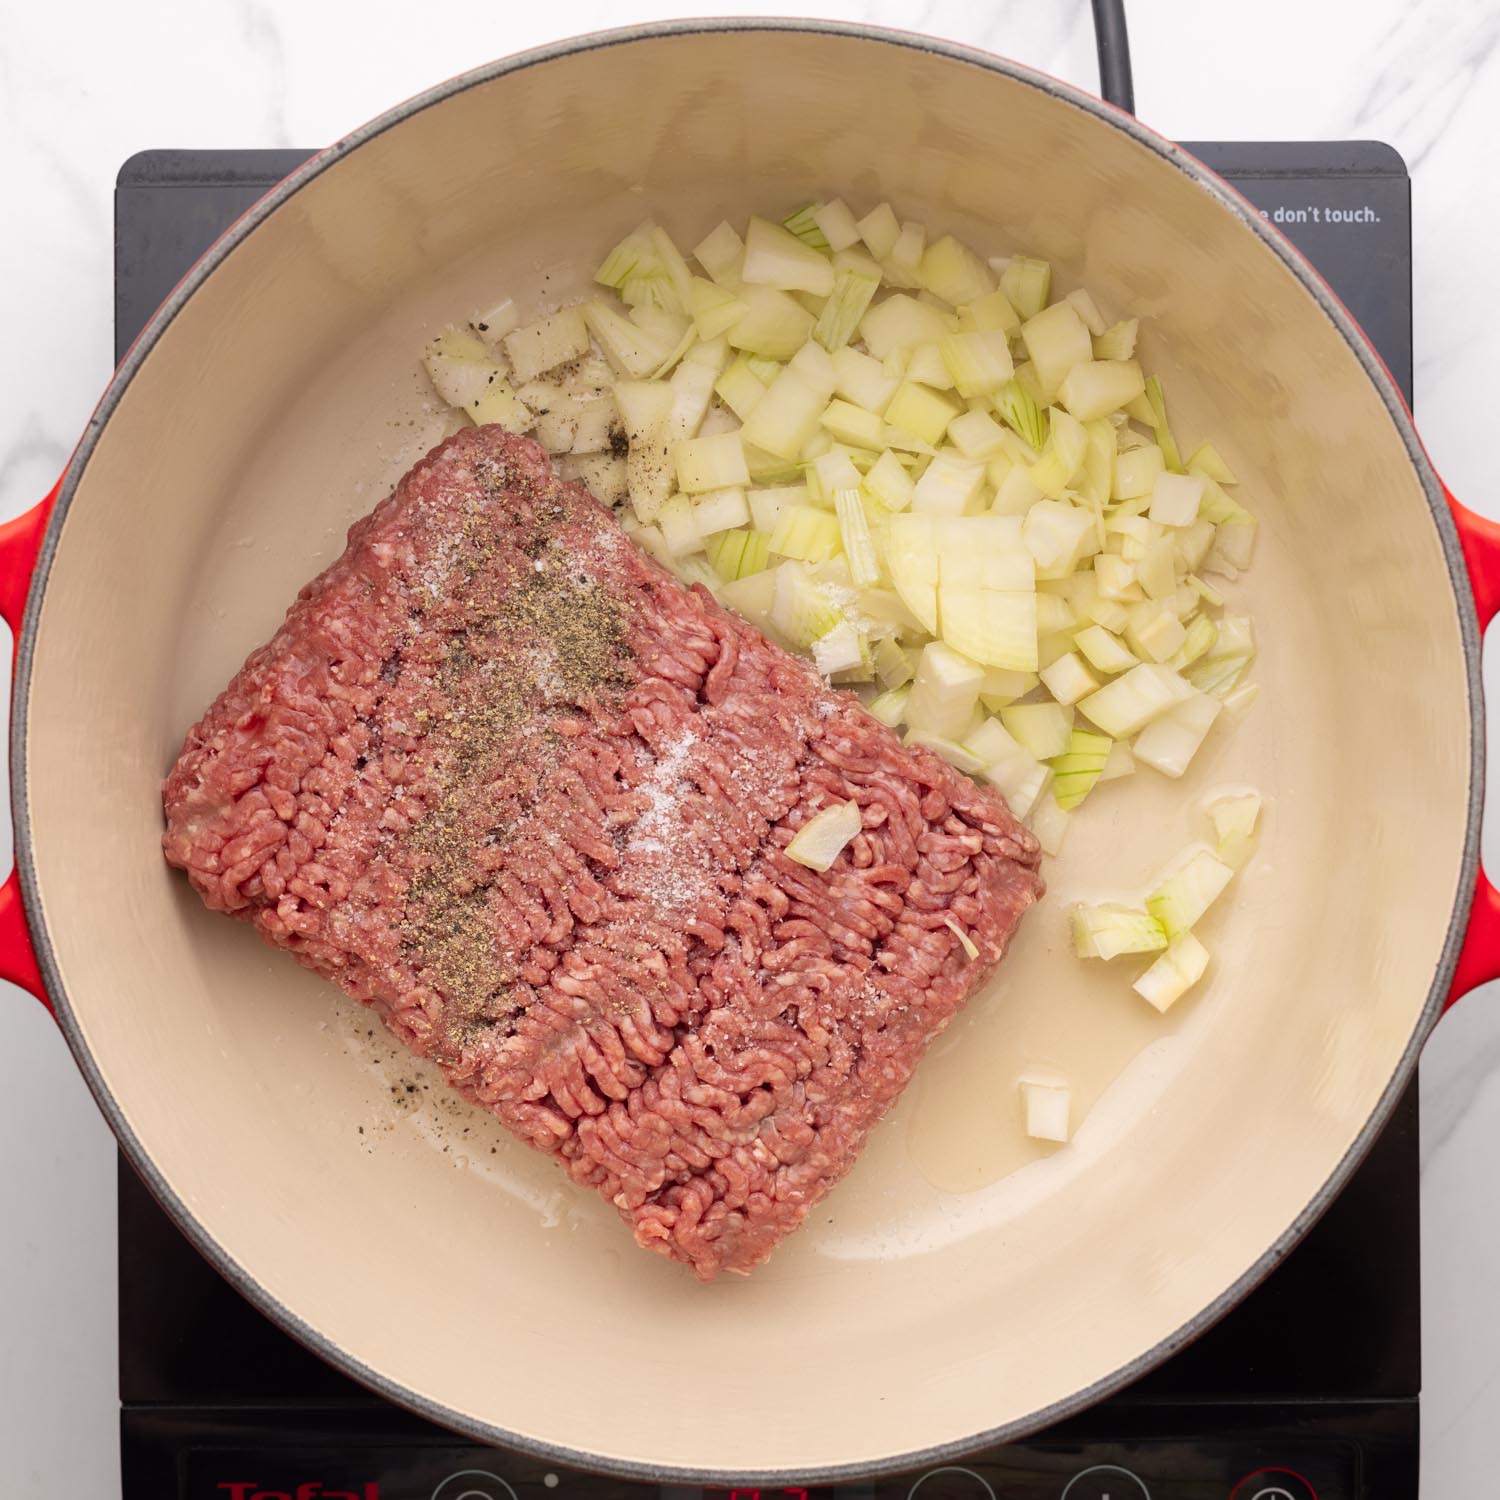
[1174, 973]
[1108, 930]
[1047, 1109]
[1183, 897]
[820, 840]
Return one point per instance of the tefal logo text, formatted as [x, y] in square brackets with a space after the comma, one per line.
[311, 1490]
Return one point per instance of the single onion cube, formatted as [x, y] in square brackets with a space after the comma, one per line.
[821, 839]
[1174, 973]
[1047, 1109]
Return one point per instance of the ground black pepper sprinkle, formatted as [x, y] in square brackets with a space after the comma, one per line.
[531, 643]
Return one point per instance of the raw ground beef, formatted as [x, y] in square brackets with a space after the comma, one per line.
[503, 779]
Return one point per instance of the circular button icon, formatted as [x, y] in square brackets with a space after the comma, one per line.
[473, 1484]
[1106, 1482]
[1274, 1484]
[951, 1483]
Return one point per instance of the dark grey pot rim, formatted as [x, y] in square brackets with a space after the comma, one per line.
[1194, 173]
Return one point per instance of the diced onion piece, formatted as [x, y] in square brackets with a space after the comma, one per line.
[755, 598]
[901, 322]
[822, 838]
[738, 553]
[944, 693]
[977, 435]
[802, 610]
[719, 251]
[1174, 973]
[1067, 443]
[1198, 641]
[838, 225]
[1021, 413]
[1055, 533]
[1026, 283]
[1108, 930]
[493, 324]
[1131, 701]
[914, 564]
[720, 510]
[889, 483]
[739, 389]
[807, 534]
[952, 271]
[994, 627]
[830, 471]
[1207, 460]
[904, 265]
[785, 420]
[1164, 439]
[948, 486]
[949, 750]
[862, 381]
[775, 325]
[852, 424]
[501, 405]
[982, 551]
[1087, 309]
[978, 363]
[714, 309]
[678, 528]
[775, 257]
[841, 650]
[1094, 388]
[1183, 897]
[859, 548]
[1103, 651]
[966, 942]
[879, 229]
[766, 505]
[804, 224]
[1136, 471]
[925, 365]
[1234, 819]
[1155, 633]
[1117, 341]
[890, 706]
[921, 411]
[894, 666]
[1076, 772]
[1175, 499]
[989, 312]
[1042, 729]
[847, 303]
[1067, 679]
[711, 463]
[461, 382]
[1056, 340]
[630, 348]
[1047, 1109]
[1170, 741]
[813, 364]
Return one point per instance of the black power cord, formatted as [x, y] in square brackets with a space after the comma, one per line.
[1113, 40]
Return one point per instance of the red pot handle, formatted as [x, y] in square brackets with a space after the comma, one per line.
[20, 541]
[1479, 958]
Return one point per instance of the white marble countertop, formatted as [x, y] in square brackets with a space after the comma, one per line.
[84, 85]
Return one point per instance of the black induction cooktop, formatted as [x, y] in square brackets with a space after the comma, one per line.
[1308, 1388]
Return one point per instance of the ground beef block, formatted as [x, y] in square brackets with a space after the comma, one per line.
[503, 779]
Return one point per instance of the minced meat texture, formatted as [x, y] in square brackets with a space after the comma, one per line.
[504, 780]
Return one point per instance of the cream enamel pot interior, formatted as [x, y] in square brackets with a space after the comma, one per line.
[959, 1287]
